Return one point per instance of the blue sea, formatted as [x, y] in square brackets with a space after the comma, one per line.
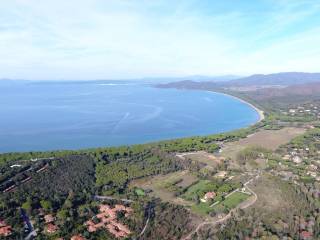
[52, 116]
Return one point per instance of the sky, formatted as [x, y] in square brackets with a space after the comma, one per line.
[120, 39]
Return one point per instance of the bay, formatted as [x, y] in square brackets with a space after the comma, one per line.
[56, 116]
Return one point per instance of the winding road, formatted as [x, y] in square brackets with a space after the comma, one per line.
[213, 223]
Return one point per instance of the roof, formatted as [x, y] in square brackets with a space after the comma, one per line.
[48, 218]
[51, 228]
[77, 237]
[108, 220]
[306, 235]
[210, 195]
[5, 231]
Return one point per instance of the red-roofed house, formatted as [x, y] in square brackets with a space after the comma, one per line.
[208, 196]
[77, 237]
[305, 235]
[108, 220]
[5, 231]
[51, 228]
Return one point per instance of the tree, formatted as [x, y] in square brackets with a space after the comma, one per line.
[46, 205]
[62, 214]
[27, 205]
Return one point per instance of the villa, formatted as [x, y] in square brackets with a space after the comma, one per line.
[208, 196]
[48, 218]
[51, 228]
[77, 237]
[5, 230]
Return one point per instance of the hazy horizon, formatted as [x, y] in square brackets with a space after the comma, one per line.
[159, 39]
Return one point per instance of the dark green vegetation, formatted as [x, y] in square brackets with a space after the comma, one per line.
[67, 184]
[169, 222]
[64, 183]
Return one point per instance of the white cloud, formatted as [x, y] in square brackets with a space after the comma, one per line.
[122, 39]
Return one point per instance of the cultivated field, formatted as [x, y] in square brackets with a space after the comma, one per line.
[269, 139]
[203, 157]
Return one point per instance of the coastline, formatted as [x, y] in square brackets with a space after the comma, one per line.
[261, 117]
[259, 111]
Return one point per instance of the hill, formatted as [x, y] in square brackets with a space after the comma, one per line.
[286, 78]
[257, 80]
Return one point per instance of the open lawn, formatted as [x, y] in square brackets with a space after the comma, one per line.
[232, 201]
[202, 209]
[203, 157]
[199, 189]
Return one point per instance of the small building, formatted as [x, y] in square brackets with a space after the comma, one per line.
[221, 174]
[5, 230]
[297, 159]
[243, 190]
[305, 235]
[286, 157]
[48, 218]
[51, 228]
[312, 174]
[208, 196]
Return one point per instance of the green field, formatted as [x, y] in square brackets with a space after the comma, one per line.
[232, 201]
[140, 192]
[202, 208]
[199, 189]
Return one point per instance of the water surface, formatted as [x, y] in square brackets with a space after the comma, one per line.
[74, 116]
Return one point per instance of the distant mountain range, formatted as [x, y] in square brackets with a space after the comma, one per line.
[288, 78]
[311, 89]
[151, 80]
[198, 81]
[268, 80]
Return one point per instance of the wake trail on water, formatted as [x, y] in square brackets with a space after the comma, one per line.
[116, 127]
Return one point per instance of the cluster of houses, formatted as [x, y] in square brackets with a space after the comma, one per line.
[50, 226]
[306, 227]
[107, 218]
[5, 230]
[312, 109]
[298, 156]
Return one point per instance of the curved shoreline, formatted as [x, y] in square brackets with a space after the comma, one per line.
[260, 118]
[259, 111]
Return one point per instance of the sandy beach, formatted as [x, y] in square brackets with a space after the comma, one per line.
[259, 111]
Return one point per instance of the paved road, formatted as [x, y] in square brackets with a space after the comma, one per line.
[97, 197]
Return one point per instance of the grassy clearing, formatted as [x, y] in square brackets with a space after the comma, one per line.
[202, 209]
[140, 192]
[197, 190]
[232, 201]
[204, 157]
